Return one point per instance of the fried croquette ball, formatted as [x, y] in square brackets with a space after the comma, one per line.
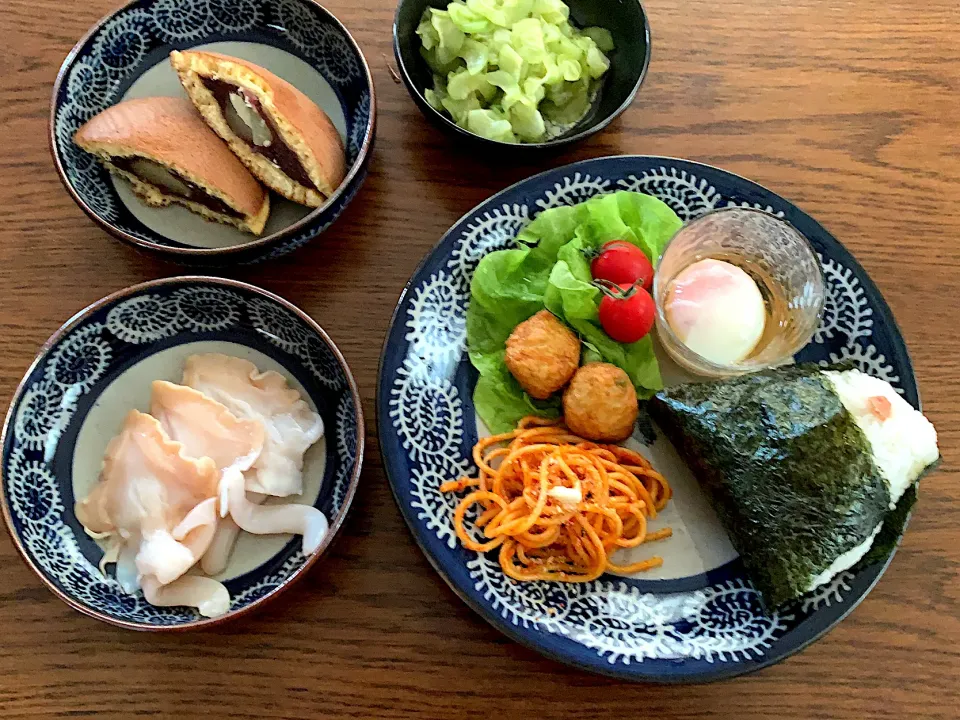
[543, 354]
[600, 403]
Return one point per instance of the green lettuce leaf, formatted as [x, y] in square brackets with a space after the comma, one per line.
[640, 219]
[506, 290]
[504, 402]
[550, 269]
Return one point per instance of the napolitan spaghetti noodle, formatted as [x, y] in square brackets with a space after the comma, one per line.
[556, 505]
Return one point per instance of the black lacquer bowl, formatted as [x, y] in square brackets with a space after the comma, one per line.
[626, 21]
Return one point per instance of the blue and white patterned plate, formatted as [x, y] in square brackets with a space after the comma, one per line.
[125, 56]
[98, 366]
[706, 625]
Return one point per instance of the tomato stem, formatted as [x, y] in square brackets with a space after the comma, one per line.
[612, 290]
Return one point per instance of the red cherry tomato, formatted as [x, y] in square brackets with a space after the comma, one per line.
[622, 263]
[627, 316]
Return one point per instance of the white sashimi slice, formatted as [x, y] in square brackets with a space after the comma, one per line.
[201, 517]
[291, 426]
[197, 529]
[303, 520]
[146, 489]
[207, 428]
[215, 560]
[163, 557]
[210, 597]
[126, 569]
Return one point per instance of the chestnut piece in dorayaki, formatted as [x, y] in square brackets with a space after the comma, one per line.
[278, 132]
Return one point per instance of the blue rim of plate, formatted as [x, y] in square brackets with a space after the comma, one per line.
[643, 630]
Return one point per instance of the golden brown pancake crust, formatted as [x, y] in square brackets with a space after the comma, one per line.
[169, 131]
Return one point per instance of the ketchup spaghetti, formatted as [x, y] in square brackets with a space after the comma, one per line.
[558, 506]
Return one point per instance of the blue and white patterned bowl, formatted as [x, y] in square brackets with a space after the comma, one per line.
[98, 366]
[125, 56]
[701, 622]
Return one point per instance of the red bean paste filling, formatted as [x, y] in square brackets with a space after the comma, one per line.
[277, 152]
[171, 182]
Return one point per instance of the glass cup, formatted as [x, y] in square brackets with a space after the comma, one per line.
[780, 260]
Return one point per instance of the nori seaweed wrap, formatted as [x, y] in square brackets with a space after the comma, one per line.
[791, 471]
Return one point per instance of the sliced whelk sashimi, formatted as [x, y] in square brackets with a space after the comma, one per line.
[126, 569]
[197, 529]
[294, 519]
[147, 488]
[215, 559]
[291, 426]
[210, 597]
[207, 428]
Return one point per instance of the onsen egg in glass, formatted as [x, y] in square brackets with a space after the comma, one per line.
[737, 290]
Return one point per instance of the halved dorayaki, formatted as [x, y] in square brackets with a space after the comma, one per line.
[168, 154]
[278, 132]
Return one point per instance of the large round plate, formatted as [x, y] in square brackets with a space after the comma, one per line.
[706, 626]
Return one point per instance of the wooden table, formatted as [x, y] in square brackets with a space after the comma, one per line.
[847, 108]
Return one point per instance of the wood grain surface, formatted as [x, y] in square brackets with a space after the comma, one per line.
[847, 107]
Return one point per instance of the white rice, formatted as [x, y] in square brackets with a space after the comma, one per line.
[903, 446]
[845, 561]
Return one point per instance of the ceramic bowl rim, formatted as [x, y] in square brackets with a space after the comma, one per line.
[336, 523]
[563, 140]
[196, 252]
